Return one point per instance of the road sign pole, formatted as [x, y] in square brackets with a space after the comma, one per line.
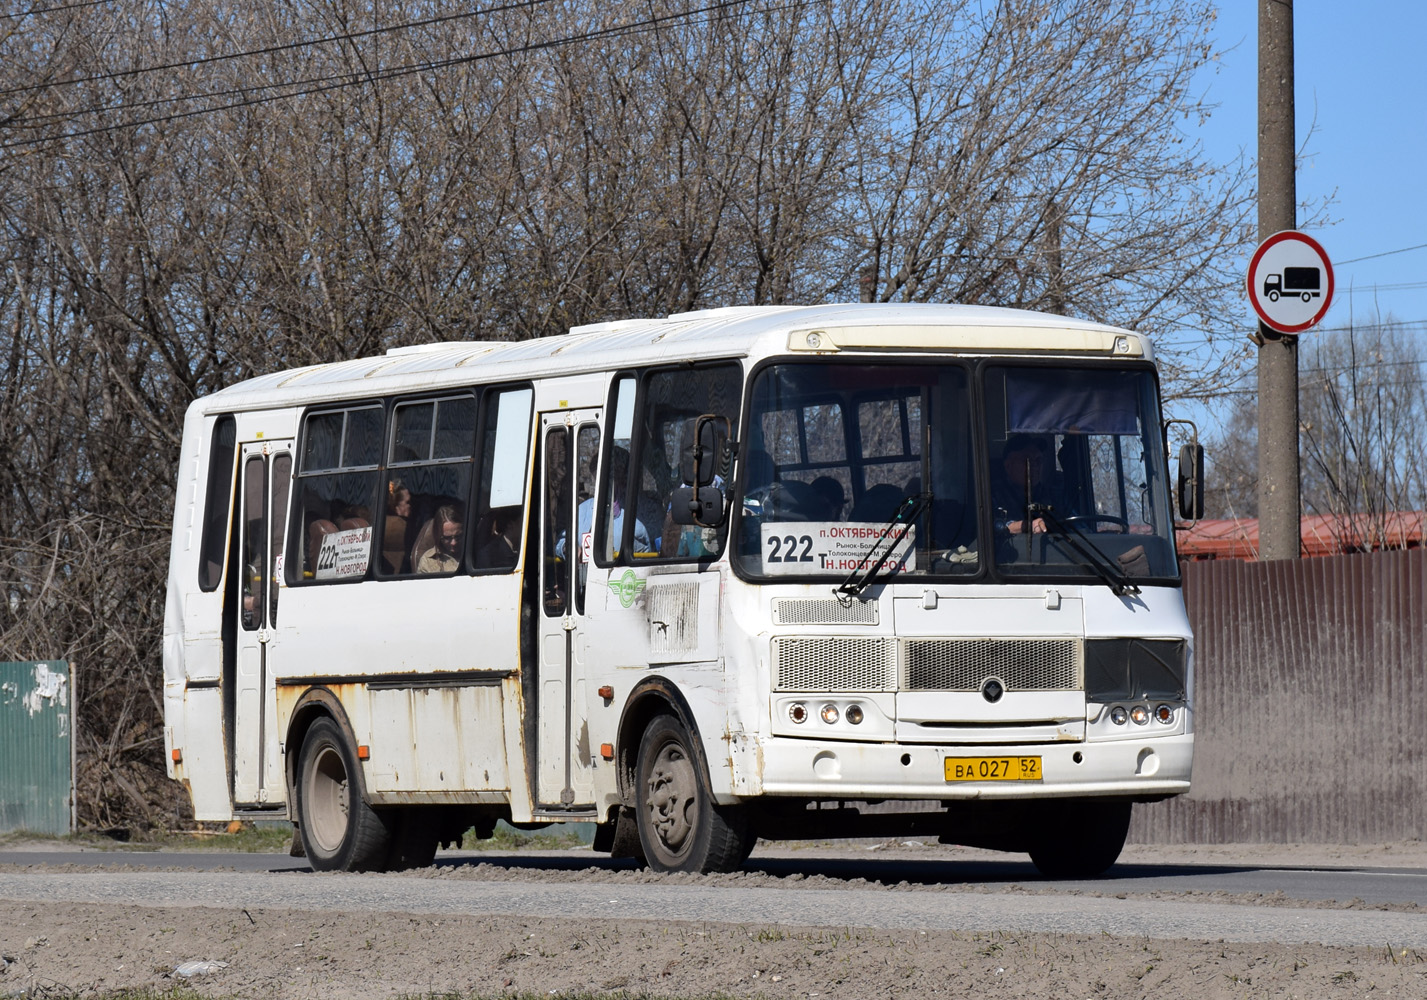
[1278, 353]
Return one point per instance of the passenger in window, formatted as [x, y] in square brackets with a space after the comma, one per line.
[833, 497]
[398, 514]
[502, 550]
[1023, 473]
[448, 531]
[585, 515]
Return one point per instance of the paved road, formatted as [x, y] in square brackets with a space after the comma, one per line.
[1373, 885]
[272, 881]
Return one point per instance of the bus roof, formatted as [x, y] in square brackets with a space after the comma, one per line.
[737, 331]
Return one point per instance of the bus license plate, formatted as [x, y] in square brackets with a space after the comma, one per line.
[993, 769]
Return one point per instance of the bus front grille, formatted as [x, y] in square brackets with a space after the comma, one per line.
[875, 664]
[1020, 664]
[834, 665]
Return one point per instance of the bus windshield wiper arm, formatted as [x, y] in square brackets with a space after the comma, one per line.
[1087, 554]
[901, 521]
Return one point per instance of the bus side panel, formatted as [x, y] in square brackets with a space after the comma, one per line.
[203, 769]
[188, 612]
[192, 641]
[439, 741]
[393, 653]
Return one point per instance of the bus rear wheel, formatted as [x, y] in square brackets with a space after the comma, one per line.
[680, 827]
[340, 832]
[1080, 838]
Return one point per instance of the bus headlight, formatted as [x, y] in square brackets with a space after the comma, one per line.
[854, 714]
[829, 713]
[1118, 715]
[798, 712]
[1140, 714]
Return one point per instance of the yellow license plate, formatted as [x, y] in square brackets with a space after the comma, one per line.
[993, 769]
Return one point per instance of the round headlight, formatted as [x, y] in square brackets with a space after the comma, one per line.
[1164, 714]
[854, 714]
[1118, 715]
[1140, 714]
[829, 713]
[798, 712]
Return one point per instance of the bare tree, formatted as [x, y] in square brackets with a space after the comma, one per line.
[1362, 432]
[191, 195]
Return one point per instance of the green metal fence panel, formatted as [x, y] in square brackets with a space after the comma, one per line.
[36, 747]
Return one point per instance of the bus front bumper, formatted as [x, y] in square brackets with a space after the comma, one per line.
[1148, 769]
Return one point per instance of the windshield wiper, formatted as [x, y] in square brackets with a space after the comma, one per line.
[1089, 556]
[908, 510]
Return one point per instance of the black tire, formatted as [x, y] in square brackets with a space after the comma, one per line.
[680, 827]
[340, 832]
[1080, 838]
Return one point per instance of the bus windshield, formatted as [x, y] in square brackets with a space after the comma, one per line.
[1070, 473]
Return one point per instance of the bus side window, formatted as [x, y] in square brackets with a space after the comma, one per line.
[337, 490]
[670, 401]
[216, 503]
[500, 495]
[428, 480]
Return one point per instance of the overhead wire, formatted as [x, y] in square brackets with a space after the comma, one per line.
[32, 121]
[270, 49]
[52, 10]
[361, 77]
[1385, 253]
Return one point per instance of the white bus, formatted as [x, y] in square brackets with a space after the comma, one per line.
[847, 570]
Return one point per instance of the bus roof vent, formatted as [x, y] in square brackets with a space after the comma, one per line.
[615, 326]
[445, 345]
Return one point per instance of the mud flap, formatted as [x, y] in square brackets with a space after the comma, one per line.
[620, 838]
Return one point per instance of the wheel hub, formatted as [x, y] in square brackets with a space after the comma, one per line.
[671, 798]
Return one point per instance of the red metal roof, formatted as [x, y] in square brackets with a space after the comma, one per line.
[1321, 534]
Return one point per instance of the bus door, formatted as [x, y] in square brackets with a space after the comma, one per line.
[264, 476]
[569, 451]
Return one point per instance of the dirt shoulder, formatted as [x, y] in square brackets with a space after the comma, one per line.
[100, 949]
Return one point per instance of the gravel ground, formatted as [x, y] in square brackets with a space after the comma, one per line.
[97, 949]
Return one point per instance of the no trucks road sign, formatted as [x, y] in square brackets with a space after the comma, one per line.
[1290, 282]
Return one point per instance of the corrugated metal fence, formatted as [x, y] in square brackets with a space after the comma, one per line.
[36, 748]
[1311, 703]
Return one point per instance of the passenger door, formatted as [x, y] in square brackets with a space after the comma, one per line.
[265, 477]
[569, 446]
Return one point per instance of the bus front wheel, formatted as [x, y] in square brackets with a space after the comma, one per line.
[340, 832]
[680, 827]
[1080, 838]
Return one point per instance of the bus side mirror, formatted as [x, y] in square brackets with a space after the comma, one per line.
[702, 506]
[701, 455]
[1191, 481]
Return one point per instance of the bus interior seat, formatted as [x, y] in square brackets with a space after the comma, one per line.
[316, 531]
[425, 541]
[795, 500]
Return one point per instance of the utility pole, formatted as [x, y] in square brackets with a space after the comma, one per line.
[1278, 353]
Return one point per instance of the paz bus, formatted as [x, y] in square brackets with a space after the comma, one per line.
[777, 572]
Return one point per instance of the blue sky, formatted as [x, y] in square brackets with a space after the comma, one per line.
[1361, 87]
